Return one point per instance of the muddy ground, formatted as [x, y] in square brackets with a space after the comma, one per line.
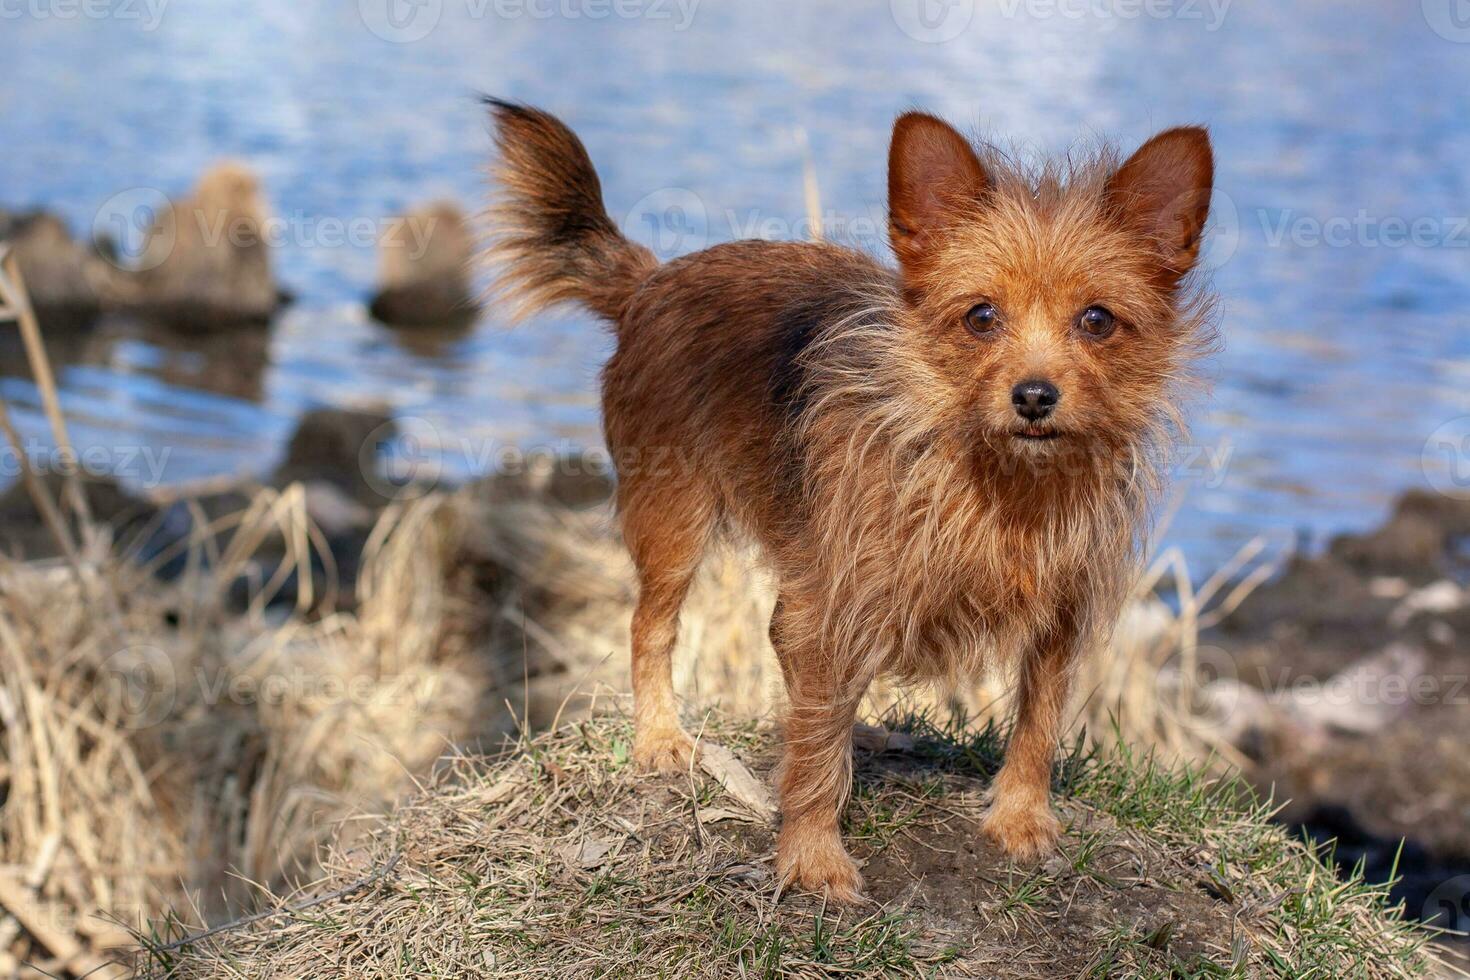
[1391, 761]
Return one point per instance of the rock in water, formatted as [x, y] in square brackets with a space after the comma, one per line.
[337, 446]
[424, 263]
[206, 261]
[65, 279]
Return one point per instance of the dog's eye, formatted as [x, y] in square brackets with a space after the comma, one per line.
[982, 318]
[1096, 321]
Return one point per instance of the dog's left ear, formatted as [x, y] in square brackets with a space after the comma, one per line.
[1163, 193]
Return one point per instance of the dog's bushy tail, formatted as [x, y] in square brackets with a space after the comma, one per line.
[551, 240]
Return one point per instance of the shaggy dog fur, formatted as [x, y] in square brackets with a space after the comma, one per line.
[948, 467]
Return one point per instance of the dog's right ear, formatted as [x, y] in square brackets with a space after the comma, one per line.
[933, 177]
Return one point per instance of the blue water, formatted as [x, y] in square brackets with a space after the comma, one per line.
[1345, 352]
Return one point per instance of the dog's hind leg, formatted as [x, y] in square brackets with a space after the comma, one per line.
[667, 528]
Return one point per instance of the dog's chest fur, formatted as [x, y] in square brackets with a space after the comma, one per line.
[992, 590]
[939, 577]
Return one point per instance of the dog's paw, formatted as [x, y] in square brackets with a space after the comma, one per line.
[1024, 832]
[664, 750]
[818, 863]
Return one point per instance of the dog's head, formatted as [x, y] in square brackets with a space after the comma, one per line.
[1050, 309]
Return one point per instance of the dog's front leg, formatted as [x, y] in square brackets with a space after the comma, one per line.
[816, 771]
[816, 775]
[1020, 817]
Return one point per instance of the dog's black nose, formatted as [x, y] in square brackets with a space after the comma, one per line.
[1034, 400]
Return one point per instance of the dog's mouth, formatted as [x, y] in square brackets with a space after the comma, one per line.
[1036, 434]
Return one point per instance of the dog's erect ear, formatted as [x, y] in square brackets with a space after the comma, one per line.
[933, 175]
[1163, 193]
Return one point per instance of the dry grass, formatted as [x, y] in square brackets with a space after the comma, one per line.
[558, 859]
[160, 748]
[150, 766]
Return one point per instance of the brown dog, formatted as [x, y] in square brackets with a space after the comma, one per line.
[947, 468]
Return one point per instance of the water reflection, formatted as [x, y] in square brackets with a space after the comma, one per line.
[1343, 355]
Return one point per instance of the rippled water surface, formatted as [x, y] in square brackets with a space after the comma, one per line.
[1342, 253]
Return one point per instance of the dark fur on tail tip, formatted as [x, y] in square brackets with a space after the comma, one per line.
[551, 239]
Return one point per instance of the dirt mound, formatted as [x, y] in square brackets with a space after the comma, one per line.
[559, 859]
